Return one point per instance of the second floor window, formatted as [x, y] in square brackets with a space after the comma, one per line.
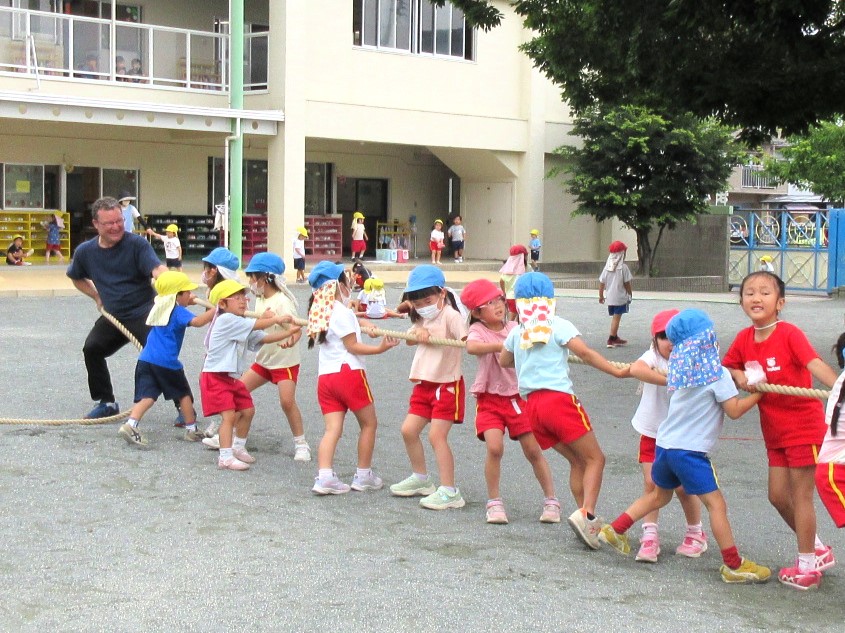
[413, 26]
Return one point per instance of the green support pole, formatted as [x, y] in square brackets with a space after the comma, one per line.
[236, 150]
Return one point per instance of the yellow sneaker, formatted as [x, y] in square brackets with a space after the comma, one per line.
[749, 571]
[619, 542]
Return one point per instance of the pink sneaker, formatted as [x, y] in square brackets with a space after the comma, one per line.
[233, 463]
[694, 545]
[496, 512]
[551, 511]
[824, 558]
[649, 550]
[241, 454]
[792, 577]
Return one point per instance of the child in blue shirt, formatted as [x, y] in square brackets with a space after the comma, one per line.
[159, 370]
[534, 246]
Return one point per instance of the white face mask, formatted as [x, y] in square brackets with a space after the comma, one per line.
[206, 275]
[345, 295]
[429, 312]
[257, 290]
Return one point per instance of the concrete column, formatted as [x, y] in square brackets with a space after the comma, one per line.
[528, 190]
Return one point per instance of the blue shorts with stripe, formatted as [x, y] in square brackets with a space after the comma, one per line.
[675, 467]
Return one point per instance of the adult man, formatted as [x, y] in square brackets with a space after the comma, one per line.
[130, 212]
[114, 269]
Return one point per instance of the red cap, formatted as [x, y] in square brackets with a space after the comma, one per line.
[617, 247]
[518, 249]
[661, 320]
[476, 293]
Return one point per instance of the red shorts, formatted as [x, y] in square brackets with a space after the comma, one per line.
[359, 246]
[347, 390]
[556, 417]
[53, 248]
[647, 446]
[435, 246]
[830, 482]
[438, 400]
[220, 392]
[793, 456]
[493, 411]
[276, 375]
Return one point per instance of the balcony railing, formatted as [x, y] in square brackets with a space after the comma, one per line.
[752, 178]
[50, 45]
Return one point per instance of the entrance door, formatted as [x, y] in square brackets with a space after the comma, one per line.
[367, 195]
[83, 189]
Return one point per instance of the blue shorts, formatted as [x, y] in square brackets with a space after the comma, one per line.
[612, 310]
[299, 263]
[675, 467]
[535, 255]
[457, 245]
[152, 381]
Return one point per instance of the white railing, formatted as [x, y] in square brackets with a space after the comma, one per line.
[50, 45]
[752, 178]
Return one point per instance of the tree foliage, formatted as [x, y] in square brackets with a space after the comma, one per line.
[646, 169]
[815, 161]
[760, 65]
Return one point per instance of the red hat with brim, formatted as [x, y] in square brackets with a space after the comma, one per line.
[617, 247]
[661, 320]
[476, 293]
[518, 249]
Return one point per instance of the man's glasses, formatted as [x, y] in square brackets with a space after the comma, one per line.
[109, 224]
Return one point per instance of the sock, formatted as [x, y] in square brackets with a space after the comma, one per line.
[421, 476]
[819, 544]
[694, 530]
[622, 523]
[806, 562]
[299, 439]
[324, 474]
[649, 531]
[450, 489]
[226, 453]
[132, 422]
[239, 442]
[191, 427]
[731, 557]
[363, 472]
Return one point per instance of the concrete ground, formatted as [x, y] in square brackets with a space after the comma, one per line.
[99, 536]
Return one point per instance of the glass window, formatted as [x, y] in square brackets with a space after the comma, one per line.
[116, 181]
[442, 29]
[427, 28]
[255, 187]
[370, 19]
[318, 188]
[23, 186]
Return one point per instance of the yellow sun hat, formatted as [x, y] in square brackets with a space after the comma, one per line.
[302, 231]
[224, 290]
[358, 215]
[535, 232]
[438, 221]
[766, 258]
[171, 228]
[173, 282]
[373, 284]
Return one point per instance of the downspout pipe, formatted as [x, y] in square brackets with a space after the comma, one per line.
[235, 141]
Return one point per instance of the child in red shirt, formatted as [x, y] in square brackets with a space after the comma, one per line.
[793, 427]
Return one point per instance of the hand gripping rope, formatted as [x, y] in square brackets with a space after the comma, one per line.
[373, 332]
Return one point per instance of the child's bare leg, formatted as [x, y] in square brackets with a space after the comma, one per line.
[648, 488]
[719, 524]
[494, 439]
[287, 400]
[412, 427]
[140, 408]
[438, 436]
[576, 472]
[368, 423]
[691, 505]
[252, 380]
[649, 503]
[186, 406]
[587, 448]
[328, 444]
[803, 485]
[243, 421]
[614, 324]
[534, 454]
[227, 427]
[780, 495]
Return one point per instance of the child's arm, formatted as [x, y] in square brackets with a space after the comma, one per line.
[420, 333]
[281, 335]
[203, 319]
[477, 348]
[154, 234]
[740, 380]
[180, 250]
[628, 287]
[591, 357]
[601, 292]
[641, 371]
[823, 372]
[267, 321]
[737, 407]
[354, 346]
[506, 359]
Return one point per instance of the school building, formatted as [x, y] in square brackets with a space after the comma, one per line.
[396, 108]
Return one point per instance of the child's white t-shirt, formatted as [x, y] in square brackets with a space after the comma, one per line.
[333, 353]
[437, 236]
[298, 248]
[376, 308]
[614, 285]
[171, 247]
[358, 232]
[230, 338]
[654, 403]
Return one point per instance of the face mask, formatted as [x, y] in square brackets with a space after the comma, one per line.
[206, 276]
[345, 295]
[254, 289]
[429, 312]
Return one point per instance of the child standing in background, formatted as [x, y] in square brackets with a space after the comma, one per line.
[457, 237]
[615, 279]
[514, 267]
[438, 396]
[499, 406]
[227, 341]
[703, 394]
[535, 245]
[793, 427]
[435, 243]
[539, 348]
[299, 254]
[359, 236]
[342, 385]
[172, 246]
[159, 370]
[651, 369]
[54, 244]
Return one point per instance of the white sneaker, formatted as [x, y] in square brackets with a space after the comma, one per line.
[330, 486]
[212, 443]
[369, 482]
[302, 453]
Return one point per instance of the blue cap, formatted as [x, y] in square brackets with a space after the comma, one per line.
[266, 263]
[323, 272]
[425, 276]
[532, 285]
[688, 323]
[223, 258]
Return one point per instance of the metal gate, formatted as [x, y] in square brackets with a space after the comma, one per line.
[804, 246]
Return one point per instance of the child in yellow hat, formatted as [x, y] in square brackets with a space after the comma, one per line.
[159, 370]
[172, 246]
[435, 243]
[359, 236]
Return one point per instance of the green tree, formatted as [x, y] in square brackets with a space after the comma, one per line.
[647, 170]
[814, 161]
[761, 65]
